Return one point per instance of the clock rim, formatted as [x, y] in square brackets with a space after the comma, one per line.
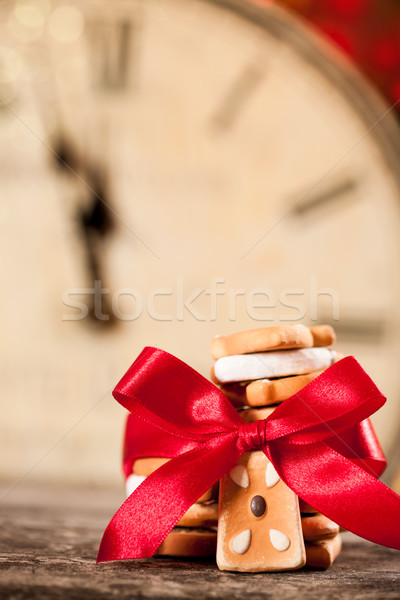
[335, 66]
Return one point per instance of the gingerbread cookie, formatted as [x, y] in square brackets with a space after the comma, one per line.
[259, 526]
[264, 392]
[322, 554]
[183, 541]
[283, 337]
[248, 367]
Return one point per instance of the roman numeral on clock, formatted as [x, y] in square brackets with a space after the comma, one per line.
[237, 96]
[364, 329]
[326, 197]
[110, 53]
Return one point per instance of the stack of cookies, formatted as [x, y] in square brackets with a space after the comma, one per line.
[262, 525]
[196, 532]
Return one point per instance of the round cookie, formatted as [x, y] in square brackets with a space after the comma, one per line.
[282, 337]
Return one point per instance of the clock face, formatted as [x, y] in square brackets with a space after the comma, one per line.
[217, 171]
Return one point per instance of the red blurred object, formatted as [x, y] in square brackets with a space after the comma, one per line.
[366, 30]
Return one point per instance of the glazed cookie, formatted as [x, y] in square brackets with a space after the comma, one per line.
[282, 337]
[183, 541]
[259, 526]
[248, 367]
[265, 391]
[318, 527]
[322, 554]
[142, 467]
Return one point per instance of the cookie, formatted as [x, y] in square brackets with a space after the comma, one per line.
[260, 340]
[322, 554]
[189, 542]
[282, 337]
[146, 466]
[264, 392]
[318, 527]
[249, 415]
[248, 367]
[132, 482]
[200, 515]
[305, 508]
[259, 527]
[323, 335]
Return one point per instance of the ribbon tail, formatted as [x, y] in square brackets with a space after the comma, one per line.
[339, 489]
[144, 520]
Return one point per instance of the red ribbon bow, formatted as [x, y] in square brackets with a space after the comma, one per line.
[320, 442]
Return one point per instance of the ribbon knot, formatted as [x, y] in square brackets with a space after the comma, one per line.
[252, 436]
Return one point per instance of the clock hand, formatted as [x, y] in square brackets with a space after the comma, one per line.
[328, 196]
[95, 223]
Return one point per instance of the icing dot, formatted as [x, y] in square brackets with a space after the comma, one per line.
[271, 476]
[279, 540]
[240, 476]
[241, 543]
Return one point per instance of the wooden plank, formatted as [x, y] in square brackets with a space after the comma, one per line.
[49, 539]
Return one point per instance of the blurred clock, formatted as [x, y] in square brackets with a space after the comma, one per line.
[202, 147]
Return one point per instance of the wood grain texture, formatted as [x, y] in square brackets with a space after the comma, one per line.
[49, 539]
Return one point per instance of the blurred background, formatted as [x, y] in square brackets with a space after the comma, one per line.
[176, 169]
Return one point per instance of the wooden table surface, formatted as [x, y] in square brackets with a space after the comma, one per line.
[49, 538]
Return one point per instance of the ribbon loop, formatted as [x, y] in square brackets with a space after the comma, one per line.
[252, 436]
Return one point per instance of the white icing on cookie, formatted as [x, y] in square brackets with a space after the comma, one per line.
[260, 365]
[271, 476]
[279, 540]
[241, 543]
[240, 476]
